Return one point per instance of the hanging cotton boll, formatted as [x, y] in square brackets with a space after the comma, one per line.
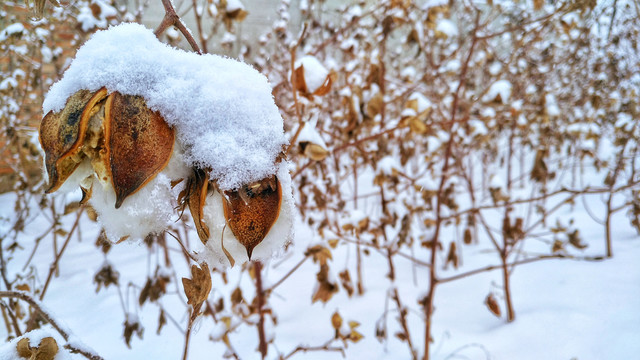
[311, 77]
[150, 210]
[311, 143]
[223, 247]
[499, 92]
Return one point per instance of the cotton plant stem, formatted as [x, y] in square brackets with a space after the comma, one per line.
[172, 18]
[50, 319]
[14, 320]
[295, 91]
[433, 280]
[262, 346]
[187, 336]
[286, 276]
[198, 16]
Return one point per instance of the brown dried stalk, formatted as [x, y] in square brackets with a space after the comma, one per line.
[262, 347]
[433, 280]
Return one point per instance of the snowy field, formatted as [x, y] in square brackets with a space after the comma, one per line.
[565, 309]
[470, 144]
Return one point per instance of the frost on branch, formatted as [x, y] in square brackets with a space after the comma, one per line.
[145, 129]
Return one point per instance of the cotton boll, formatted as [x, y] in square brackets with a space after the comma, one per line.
[150, 210]
[220, 233]
[282, 231]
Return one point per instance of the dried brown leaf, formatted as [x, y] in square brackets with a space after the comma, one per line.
[198, 287]
[195, 195]
[46, 350]
[326, 289]
[319, 253]
[492, 305]
[336, 320]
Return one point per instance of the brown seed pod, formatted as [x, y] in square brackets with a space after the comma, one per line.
[62, 135]
[252, 210]
[138, 142]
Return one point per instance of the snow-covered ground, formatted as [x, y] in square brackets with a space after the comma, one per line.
[565, 309]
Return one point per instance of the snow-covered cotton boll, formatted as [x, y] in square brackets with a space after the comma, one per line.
[149, 210]
[222, 239]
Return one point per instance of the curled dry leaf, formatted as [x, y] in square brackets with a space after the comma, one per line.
[194, 196]
[300, 83]
[138, 142]
[46, 350]
[313, 151]
[325, 289]
[492, 305]
[252, 210]
[319, 253]
[198, 287]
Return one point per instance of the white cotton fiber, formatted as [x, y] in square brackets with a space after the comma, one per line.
[149, 210]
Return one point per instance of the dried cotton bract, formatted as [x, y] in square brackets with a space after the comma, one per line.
[143, 128]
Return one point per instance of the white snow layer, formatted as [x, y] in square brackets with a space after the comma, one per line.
[222, 110]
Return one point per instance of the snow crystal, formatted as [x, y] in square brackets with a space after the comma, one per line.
[427, 183]
[496, 182]
[222, 110]
[452, 66]
[409, 73]
[585, 128]
[479, 128]
[353, 218]
[314, 72]
[625, 121]
[8, 83]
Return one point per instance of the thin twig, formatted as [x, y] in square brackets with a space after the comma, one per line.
[520, 262]
[262, 347]
[325, 347]
[286, 276]
[54, 265]
[172, 18]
